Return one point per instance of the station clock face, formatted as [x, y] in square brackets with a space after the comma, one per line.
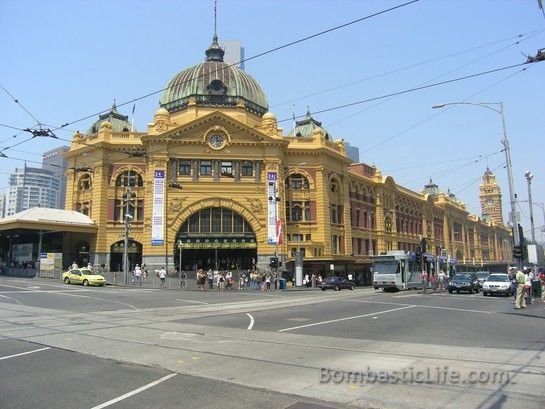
[216, 140]
[490, 202]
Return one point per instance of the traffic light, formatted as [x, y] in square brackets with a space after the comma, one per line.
[418, 255]
[517, 252]
[274, 262]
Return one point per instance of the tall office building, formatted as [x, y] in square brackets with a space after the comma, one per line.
[353, 152]
[234, 53]
[32, 187]
[55, 162]
[2, 205]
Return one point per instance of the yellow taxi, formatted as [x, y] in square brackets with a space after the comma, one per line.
[83, 276]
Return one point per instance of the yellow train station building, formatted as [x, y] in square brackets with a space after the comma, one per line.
[215, 177]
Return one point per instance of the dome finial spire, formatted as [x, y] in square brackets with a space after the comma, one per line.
[215, 52]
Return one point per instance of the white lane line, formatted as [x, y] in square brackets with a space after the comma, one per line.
[252, 321]
[100, 299]
[17, 301]
[24, 353]
[421, 306]
[134, 392]
[192, 301]
[346, 318]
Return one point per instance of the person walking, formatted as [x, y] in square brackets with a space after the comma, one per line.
[528, 286]
[210, 278]
[541, 278]
[520, 300]
[137, 275]
[162, 276]
[513, 278]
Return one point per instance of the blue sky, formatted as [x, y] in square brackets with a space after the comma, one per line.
[65, 60]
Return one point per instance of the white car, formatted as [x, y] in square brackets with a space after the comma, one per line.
[497, 284]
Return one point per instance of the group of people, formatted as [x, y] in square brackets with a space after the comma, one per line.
[314, 280]
[521, 282]
[225, 280]
[219, 279]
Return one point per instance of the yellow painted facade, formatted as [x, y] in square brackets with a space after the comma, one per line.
[216, 152]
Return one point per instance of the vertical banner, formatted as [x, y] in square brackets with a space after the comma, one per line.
[158, 212]
[272, 207]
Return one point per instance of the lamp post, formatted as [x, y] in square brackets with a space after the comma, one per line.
[505, 142]
[529, 176]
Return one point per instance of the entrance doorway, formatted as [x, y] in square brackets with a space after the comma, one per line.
[134, 252]
[213, 238]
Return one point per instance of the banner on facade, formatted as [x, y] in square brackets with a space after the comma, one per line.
[158, 213]
[272, 208]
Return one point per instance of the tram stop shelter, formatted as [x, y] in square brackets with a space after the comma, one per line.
[27, 234]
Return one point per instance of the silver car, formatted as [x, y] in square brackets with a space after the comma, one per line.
[497, 284]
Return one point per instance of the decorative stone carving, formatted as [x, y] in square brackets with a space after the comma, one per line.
[159, 163]
[256, 206]
[269, 125]
[147, 224]
[175, 205]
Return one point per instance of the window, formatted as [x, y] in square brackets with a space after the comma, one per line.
[206, 168]
[85, 182]
[297, 182]
[227, 169]
[307, 211]
[333, 186]
[185, 168]
[247, 168]
[297, 237]
[86, 209]
[129, 178]
[296, 212]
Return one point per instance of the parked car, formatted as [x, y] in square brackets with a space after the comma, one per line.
[83, 276]
[482, 276]
[464, 282]
[336, 283]
[497, 284]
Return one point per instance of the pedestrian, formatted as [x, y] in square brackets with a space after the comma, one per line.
[513, 278]
[229, 280]
[162, 276]
[210, 278]
[528, 287]
[145, 272]
[541, 278]
[201, 279]
[74, 265]
[268, 282]
[349, 276]
[221, 281]
[441, 280]
[137, 275]
[89, 266]
[520, 300]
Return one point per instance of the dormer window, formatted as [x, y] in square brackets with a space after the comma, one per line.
[217, 87]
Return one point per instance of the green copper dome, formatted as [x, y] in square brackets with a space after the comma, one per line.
[306, 126]
[120, 123]
[214, 83]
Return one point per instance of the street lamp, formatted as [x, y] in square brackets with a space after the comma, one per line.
[529, 176]
[505, 142]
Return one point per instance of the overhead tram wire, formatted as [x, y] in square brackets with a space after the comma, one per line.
[382, 96]
[16, 100]
[388, 139]
[450, 170]
[432, 79]
[437, 163]
[531, 34]
[272, 50]
[458, 191]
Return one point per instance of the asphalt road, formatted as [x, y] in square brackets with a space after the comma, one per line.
[261, 349]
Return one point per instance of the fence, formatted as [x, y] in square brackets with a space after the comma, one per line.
[19, 272]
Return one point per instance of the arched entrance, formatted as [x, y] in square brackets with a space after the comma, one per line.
[81, 253]
[216, 238]
[134, 252]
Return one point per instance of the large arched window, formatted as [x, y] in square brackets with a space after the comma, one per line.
[297, 182]
[129, 179]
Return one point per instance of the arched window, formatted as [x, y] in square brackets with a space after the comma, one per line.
[297, 182]
[85, 182]
[296, 213]
[134, 208]
[129, 178]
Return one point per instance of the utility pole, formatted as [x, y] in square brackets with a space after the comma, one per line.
[529, 176]
[127, 218]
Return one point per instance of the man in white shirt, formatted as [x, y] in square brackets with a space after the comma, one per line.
[162, 276]
[138, 274]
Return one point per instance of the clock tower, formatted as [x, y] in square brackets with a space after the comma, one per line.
[490, 196]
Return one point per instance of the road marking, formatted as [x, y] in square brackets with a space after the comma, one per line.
[24, 353]
[421, 306]
[17, 301]
[134, 392]
[252, 321]
[192, 301]
[346, 318]
[100, 299]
